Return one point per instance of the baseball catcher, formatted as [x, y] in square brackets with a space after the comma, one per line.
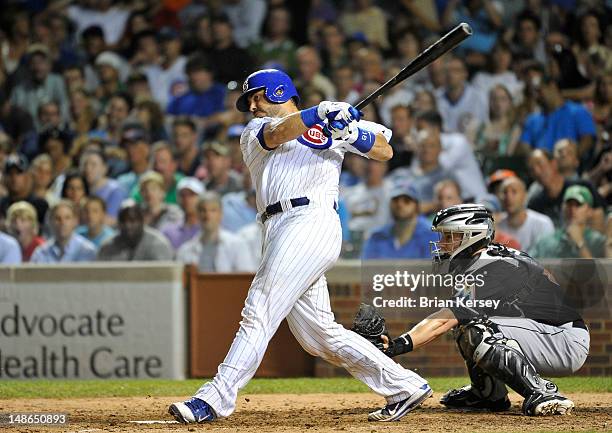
[532, 331]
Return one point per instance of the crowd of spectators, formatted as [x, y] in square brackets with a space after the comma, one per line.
[119, 139]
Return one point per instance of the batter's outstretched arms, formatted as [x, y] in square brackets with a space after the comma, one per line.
[289, 122]
[270, 94]
[293, 123]
[345, 116]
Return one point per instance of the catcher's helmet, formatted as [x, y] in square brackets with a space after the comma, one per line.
[473, 224]
[278, 88]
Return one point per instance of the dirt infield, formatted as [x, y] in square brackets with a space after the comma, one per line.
[311, 412]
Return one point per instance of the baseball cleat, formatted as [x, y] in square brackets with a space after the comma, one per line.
[545, 405]
[193, 410]
[465, 398]
[395, 411]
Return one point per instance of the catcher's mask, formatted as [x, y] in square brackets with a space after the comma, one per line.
[463, 230]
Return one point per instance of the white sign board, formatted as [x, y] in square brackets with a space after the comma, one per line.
[92, 321]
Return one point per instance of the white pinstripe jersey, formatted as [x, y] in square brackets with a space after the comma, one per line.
[308, 166]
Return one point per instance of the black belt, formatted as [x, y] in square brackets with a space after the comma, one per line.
[275, 208]
[579, 324]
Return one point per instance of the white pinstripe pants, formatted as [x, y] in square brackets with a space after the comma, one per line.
[299, 246]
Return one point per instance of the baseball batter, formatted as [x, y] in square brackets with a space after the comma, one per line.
[533, 331]
[295, 170]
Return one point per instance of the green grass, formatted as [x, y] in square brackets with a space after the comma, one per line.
[153, 388]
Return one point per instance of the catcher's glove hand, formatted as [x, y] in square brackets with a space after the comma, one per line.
[370, 324]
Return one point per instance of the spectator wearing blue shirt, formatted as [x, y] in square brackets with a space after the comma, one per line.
[353, 170]
[95, 169]
[65, 245]
[136, 142]
[10, 251]
[93, 228]
[239, 209]
[205, 97]
[408, 236]
[484, 16]
[559, 119]
[189, 192]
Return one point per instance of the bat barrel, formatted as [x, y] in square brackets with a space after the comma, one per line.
[425, 58]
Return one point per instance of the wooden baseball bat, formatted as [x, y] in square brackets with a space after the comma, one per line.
[424, 59]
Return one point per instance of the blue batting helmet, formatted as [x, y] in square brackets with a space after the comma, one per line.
[278, 88]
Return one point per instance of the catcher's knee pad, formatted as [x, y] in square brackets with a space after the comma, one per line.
[474, 339]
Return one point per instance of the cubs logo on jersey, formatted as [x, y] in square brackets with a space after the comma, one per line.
[315, 138]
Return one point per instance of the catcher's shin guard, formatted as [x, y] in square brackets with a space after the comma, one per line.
[503, 359]
[484, 392]
[485, 385]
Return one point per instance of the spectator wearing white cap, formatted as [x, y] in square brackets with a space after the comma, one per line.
[111, 71]
[189, 192]
[214, 249]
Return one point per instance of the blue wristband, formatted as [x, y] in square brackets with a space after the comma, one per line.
[365, 140]
[310, 116]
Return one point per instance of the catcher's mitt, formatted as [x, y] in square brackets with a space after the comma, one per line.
[370, 324]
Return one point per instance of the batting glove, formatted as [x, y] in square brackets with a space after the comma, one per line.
[341, 130]
[330, 110]
[337, 111]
